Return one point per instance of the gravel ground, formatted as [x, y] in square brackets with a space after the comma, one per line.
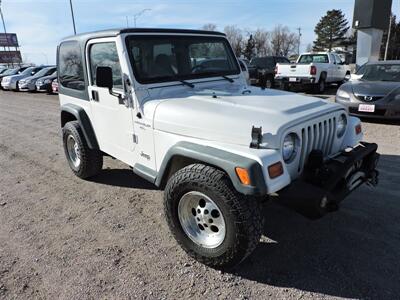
[65, 238]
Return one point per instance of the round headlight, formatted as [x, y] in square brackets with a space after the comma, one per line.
[341, 125]
[289, 147]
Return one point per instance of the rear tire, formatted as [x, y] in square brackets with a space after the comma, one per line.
[198, 197]
[83, 161]
[320, 87]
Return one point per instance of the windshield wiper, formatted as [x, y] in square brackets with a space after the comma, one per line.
[187, 83]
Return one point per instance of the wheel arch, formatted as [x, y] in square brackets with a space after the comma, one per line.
[185, 153]
[71, 112]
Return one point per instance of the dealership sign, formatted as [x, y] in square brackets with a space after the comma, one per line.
[10, 57]
[8, 40]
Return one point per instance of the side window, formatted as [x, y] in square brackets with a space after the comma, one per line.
[338, 59]
[70, 65]
[105, 55]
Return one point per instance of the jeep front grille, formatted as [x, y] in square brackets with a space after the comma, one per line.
[317, 136]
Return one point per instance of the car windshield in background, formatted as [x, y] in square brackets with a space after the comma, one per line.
[313, 58]
[173, 58]
[44, 72]
[10, 72]
[27, 71]
[383, 72]
[262, 62]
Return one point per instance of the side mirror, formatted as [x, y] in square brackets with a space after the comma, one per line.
[104, 77]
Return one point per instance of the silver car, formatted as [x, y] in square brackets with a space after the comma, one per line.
[11, 82]
[29, 83]
[376, 94]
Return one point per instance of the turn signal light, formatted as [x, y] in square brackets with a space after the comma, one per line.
[275, 170]
[358, 129]
[243, 175]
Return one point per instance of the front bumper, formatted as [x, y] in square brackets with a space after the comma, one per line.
[325, 184]
[6, 85]
[381, 110]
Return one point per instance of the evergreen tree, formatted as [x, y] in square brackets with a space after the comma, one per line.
[331, 31]
[250, 47]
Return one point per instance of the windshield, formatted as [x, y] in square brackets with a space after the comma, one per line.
[27, 71]
[10, 72]
[44, 72]
[313, 58]
[173, 58]
[263, 62]
[383, 72]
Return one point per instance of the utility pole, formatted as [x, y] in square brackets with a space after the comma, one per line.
[73, 17]
[127, 21]
[388, 37]
[298, 46]
[5, 32]
[136, 16]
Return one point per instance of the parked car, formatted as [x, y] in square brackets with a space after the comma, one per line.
[264, 68]
[215, 145]
[314, 70]
[376, 94]
[11, 82]
[54, 86]
[29, 83]
[11, 72]
[44, 84]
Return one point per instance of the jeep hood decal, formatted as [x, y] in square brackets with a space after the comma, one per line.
[229, 116]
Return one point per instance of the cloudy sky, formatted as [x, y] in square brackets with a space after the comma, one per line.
[40, 24]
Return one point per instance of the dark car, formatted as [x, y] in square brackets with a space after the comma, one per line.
[376, 94]
[44, 84]
[29, 83]
[263, 68]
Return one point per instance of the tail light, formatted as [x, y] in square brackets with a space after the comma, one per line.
[313, 70]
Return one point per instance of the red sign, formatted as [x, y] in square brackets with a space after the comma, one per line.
[7, 57]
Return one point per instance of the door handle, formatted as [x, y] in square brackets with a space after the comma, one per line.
[95, 95]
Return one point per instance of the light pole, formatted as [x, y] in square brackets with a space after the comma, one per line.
[5, 33]
[73, 17]
[136, 16]
[298, 45]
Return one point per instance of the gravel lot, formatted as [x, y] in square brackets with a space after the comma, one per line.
[62, 237]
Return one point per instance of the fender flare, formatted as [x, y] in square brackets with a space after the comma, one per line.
[84, 121]
[221, 159]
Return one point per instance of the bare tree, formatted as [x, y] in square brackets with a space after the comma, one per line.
[262, 47]
[283, 41]
[235, 37]
[209, 27]
[309, 48]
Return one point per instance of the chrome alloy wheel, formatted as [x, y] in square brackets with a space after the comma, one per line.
[74, 152]
[201, 220]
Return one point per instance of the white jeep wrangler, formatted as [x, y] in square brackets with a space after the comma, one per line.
[174, 105]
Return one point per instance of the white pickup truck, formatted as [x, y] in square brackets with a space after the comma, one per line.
[313, 69]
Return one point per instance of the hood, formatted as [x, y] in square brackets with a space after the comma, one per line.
[379, 88]
[228, 115]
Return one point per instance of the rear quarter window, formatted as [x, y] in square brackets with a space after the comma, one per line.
[71, 66]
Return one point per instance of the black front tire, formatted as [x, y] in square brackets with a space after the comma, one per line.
[90, 160]
[242, 215]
